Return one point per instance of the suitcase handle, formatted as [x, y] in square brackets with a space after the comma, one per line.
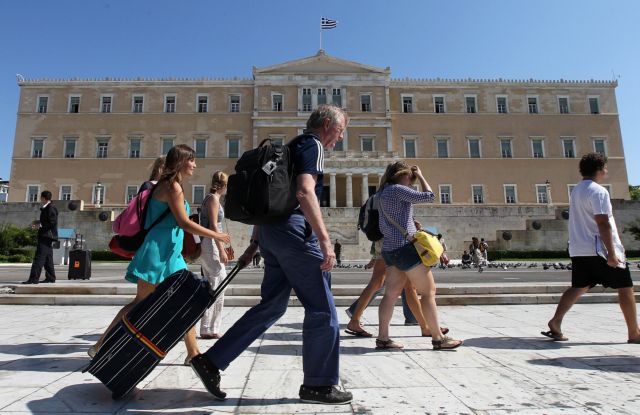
[221, 287]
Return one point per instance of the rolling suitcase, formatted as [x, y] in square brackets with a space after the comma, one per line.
[146, 334]
[79, 260]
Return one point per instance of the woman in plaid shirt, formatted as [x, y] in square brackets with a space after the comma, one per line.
[396, 223]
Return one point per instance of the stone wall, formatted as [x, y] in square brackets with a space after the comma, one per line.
[458, 224]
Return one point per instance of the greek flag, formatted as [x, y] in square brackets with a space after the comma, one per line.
[328, 23]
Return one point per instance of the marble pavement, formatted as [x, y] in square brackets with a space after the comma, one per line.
[505, 367]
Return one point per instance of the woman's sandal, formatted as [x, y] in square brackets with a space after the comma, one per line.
[443, 330]
[387, 344]
[446, 343]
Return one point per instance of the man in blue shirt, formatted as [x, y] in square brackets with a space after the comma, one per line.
[297, 254]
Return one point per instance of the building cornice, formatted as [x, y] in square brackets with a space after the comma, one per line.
[475, 82]
[128, 82]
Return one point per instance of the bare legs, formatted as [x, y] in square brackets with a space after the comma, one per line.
[396, 280]
[568, 299]
[376, 282]
[628, 306]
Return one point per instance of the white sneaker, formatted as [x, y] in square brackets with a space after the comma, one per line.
[93, 351]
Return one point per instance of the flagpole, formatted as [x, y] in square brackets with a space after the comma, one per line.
[320, 33]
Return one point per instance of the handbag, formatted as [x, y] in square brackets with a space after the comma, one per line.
[427, 245]
[191, 247]
[228, 249]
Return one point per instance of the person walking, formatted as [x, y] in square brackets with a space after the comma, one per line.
[597, 254]
[160, 256]
[213, 257]
[297, 254]
[337, 248]
[402, 259]
[47, 234]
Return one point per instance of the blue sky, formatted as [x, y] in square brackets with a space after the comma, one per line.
[543, 39]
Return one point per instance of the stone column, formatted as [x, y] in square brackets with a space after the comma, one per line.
[365, 187]
[332, 190]
[349, 190]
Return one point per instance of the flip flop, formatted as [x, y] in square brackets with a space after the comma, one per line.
[634, 341]
[443, 330]
[360, 333]
[557, 337]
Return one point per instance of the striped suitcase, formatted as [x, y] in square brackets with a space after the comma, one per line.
[144, 336]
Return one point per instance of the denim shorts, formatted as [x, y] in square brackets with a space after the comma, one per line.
[404, 258]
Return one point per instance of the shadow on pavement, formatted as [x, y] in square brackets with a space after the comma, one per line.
[45, 364]
[524, 343]
[616, 363]
[40, 349]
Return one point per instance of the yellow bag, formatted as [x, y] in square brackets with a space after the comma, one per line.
[428, 246]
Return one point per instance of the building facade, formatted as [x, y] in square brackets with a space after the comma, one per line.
[479, 142]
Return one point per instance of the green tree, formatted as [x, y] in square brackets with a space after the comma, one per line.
[634, 192]
[634, 229]
[12, 237]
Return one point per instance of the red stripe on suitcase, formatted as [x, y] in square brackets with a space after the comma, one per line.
[143, 339]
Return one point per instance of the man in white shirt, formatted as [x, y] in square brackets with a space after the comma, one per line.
[597, 255]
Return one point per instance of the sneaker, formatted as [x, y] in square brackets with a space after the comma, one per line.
[93, 350]
[328, 395]
[410, 323]
[209, 375]
[349, 313]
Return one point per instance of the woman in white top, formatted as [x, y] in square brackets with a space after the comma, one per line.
[213, 257]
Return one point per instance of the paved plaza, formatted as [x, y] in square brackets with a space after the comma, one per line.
[505, 367]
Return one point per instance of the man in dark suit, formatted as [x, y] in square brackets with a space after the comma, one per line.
[47, 234]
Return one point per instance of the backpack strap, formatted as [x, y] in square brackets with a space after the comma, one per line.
[146, 207]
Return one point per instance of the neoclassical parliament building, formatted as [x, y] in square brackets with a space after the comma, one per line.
[479, 141]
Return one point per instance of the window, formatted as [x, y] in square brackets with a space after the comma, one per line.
[594, 105]
[200, 145]
[339, 146]
[103, 148]
[570, 188]
[337, 97]
[138, 103]
[438, 104]
[234, 103]
[69, 148]
[105, 103]
[306, 99]
[568, 148]
[131, 192]
[202, 104]
[599, 146]
[445, 194]
[367, 143]
[167, 143]
[37, 148]
[442, 147]
[65, 192]
[478, 194]
[510, 193]
[43, 104]
[608, 188]
[198, 194]
[365, 103]
[501, 103]
[537, 148]
[470, 102]
[410, 147]
[135, 144]
[474, 148]
[533, 105]
[276, 102]
[322, 96]
[74, 104]
[276, 139]
[233, 147]
[505, 148]
[98, 195]
[169, 103]
[542, 193]
[563, 105]
[33, 193]
[407, 103]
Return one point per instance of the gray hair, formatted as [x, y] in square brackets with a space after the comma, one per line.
[323, 112]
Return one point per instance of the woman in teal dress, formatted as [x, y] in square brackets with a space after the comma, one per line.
[161, 252]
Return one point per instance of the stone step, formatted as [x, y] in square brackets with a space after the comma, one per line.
[340, 301]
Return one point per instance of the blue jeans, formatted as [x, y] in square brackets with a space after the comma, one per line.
[292, 259]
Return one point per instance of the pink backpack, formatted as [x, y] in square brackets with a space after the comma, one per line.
[129, 222]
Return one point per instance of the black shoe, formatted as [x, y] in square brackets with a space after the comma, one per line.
[48, 281]
[209, 375]
[29, 282]
[329, 395]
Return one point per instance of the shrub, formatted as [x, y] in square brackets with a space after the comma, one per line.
[12, 237]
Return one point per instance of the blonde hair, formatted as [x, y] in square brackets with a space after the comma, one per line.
[156, 169]
[218, 181]
[393, 173]
[176, 159]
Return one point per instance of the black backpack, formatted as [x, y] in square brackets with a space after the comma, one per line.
[369, 219]
[263, 188]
